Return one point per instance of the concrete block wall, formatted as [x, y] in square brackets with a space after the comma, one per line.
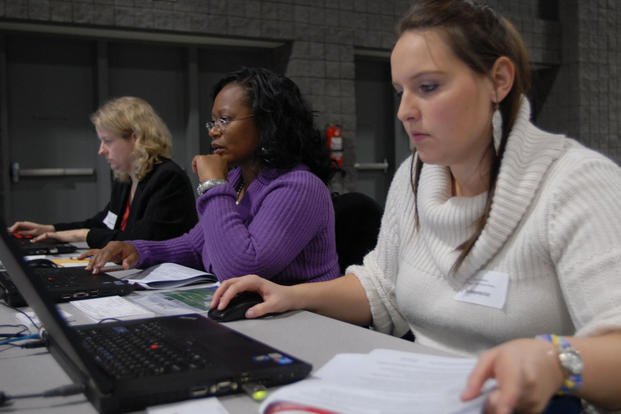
[324, 34]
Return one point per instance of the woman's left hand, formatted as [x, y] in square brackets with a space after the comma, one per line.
[76, 235]
[527, 375]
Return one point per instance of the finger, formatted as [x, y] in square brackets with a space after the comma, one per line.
[508, 392]
[259, 310]
[98, 261]
[494, 405]
[127, 263]
[479, 374]
[91, 264]
[228, 290]
[96, 266]
[40, 237]
[215, 298]
[509, 381]
[88, 253]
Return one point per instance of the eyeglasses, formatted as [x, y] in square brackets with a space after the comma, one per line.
[221, 123]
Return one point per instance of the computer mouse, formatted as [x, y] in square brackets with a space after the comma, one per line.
[41, 263]
[236, 308]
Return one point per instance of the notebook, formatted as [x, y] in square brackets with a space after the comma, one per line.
[191, 356]
[66, 283]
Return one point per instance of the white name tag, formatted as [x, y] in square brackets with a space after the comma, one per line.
[110, 220]
[486, 288]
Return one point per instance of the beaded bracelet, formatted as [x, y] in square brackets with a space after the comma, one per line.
[570, 361]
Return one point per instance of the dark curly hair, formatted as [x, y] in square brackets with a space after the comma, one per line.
[287, 133]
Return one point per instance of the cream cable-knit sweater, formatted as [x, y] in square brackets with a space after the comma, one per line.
[554, 228]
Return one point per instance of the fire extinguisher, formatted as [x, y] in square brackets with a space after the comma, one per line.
[334, 141]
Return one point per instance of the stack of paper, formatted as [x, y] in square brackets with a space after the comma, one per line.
[165, 276]
[382, 381]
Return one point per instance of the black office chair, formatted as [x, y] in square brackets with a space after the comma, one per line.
[357, 223]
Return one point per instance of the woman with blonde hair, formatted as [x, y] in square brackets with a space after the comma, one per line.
[151, 196]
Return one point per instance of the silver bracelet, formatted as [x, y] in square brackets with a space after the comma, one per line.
[208, 184]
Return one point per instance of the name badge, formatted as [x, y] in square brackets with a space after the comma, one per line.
[110, 220]
[486, 288]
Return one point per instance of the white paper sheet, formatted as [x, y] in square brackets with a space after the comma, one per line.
[203, 406]
[111, 307]
[165, 275]
[383, 381]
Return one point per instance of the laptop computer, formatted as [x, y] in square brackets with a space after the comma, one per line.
[64, 284]
[44, 247]
[129, 365]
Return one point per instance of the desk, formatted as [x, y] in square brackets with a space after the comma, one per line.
[306, 335]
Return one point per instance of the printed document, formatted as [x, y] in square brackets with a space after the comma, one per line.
[382, 381]
[164, 276]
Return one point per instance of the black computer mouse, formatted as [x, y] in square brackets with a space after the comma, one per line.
[41, 263]
[236, 308]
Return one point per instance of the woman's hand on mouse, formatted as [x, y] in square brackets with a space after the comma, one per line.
[276, 298]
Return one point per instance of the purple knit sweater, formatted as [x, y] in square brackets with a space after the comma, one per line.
[283, 230]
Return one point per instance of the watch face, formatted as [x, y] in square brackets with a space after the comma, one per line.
[571, 361]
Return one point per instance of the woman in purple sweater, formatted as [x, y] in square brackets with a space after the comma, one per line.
[263, 203]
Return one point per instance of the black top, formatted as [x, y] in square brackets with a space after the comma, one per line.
[163, 207]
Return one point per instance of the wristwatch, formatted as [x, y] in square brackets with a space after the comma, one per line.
[570, 361]
[207, 184]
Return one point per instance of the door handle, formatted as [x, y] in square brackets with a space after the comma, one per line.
[17, 172]
[372, 166]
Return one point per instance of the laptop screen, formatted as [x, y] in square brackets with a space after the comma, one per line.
[36, 295]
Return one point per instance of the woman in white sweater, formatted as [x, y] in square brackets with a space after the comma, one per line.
[496, 236]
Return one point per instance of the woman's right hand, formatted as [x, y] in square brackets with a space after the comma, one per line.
[209, 167]
[276, 298]
[117, 252]
[29, 228]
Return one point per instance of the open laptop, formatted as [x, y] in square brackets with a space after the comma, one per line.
[129, 365]
[64, 284]
[45, 247]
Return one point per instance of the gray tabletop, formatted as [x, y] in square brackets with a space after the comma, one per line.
[306, 335]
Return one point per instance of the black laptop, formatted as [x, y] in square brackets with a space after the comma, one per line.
[45, 247]
[129, 365]
[64, 284]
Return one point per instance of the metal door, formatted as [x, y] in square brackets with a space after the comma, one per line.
[380, 142]
[52, 147]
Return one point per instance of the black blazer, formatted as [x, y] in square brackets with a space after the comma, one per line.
[163, 207]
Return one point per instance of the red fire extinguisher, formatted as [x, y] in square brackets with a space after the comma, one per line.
[334, 140]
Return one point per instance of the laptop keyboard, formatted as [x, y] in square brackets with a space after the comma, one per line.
[69, 278]
[142, 349]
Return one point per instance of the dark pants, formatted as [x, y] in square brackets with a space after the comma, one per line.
[564, 404]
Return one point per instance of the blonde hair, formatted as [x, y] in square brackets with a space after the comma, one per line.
[129, 116]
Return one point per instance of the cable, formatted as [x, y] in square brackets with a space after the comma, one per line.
[23, 313]
[19, 338]
[23, 329]
[62, 391]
